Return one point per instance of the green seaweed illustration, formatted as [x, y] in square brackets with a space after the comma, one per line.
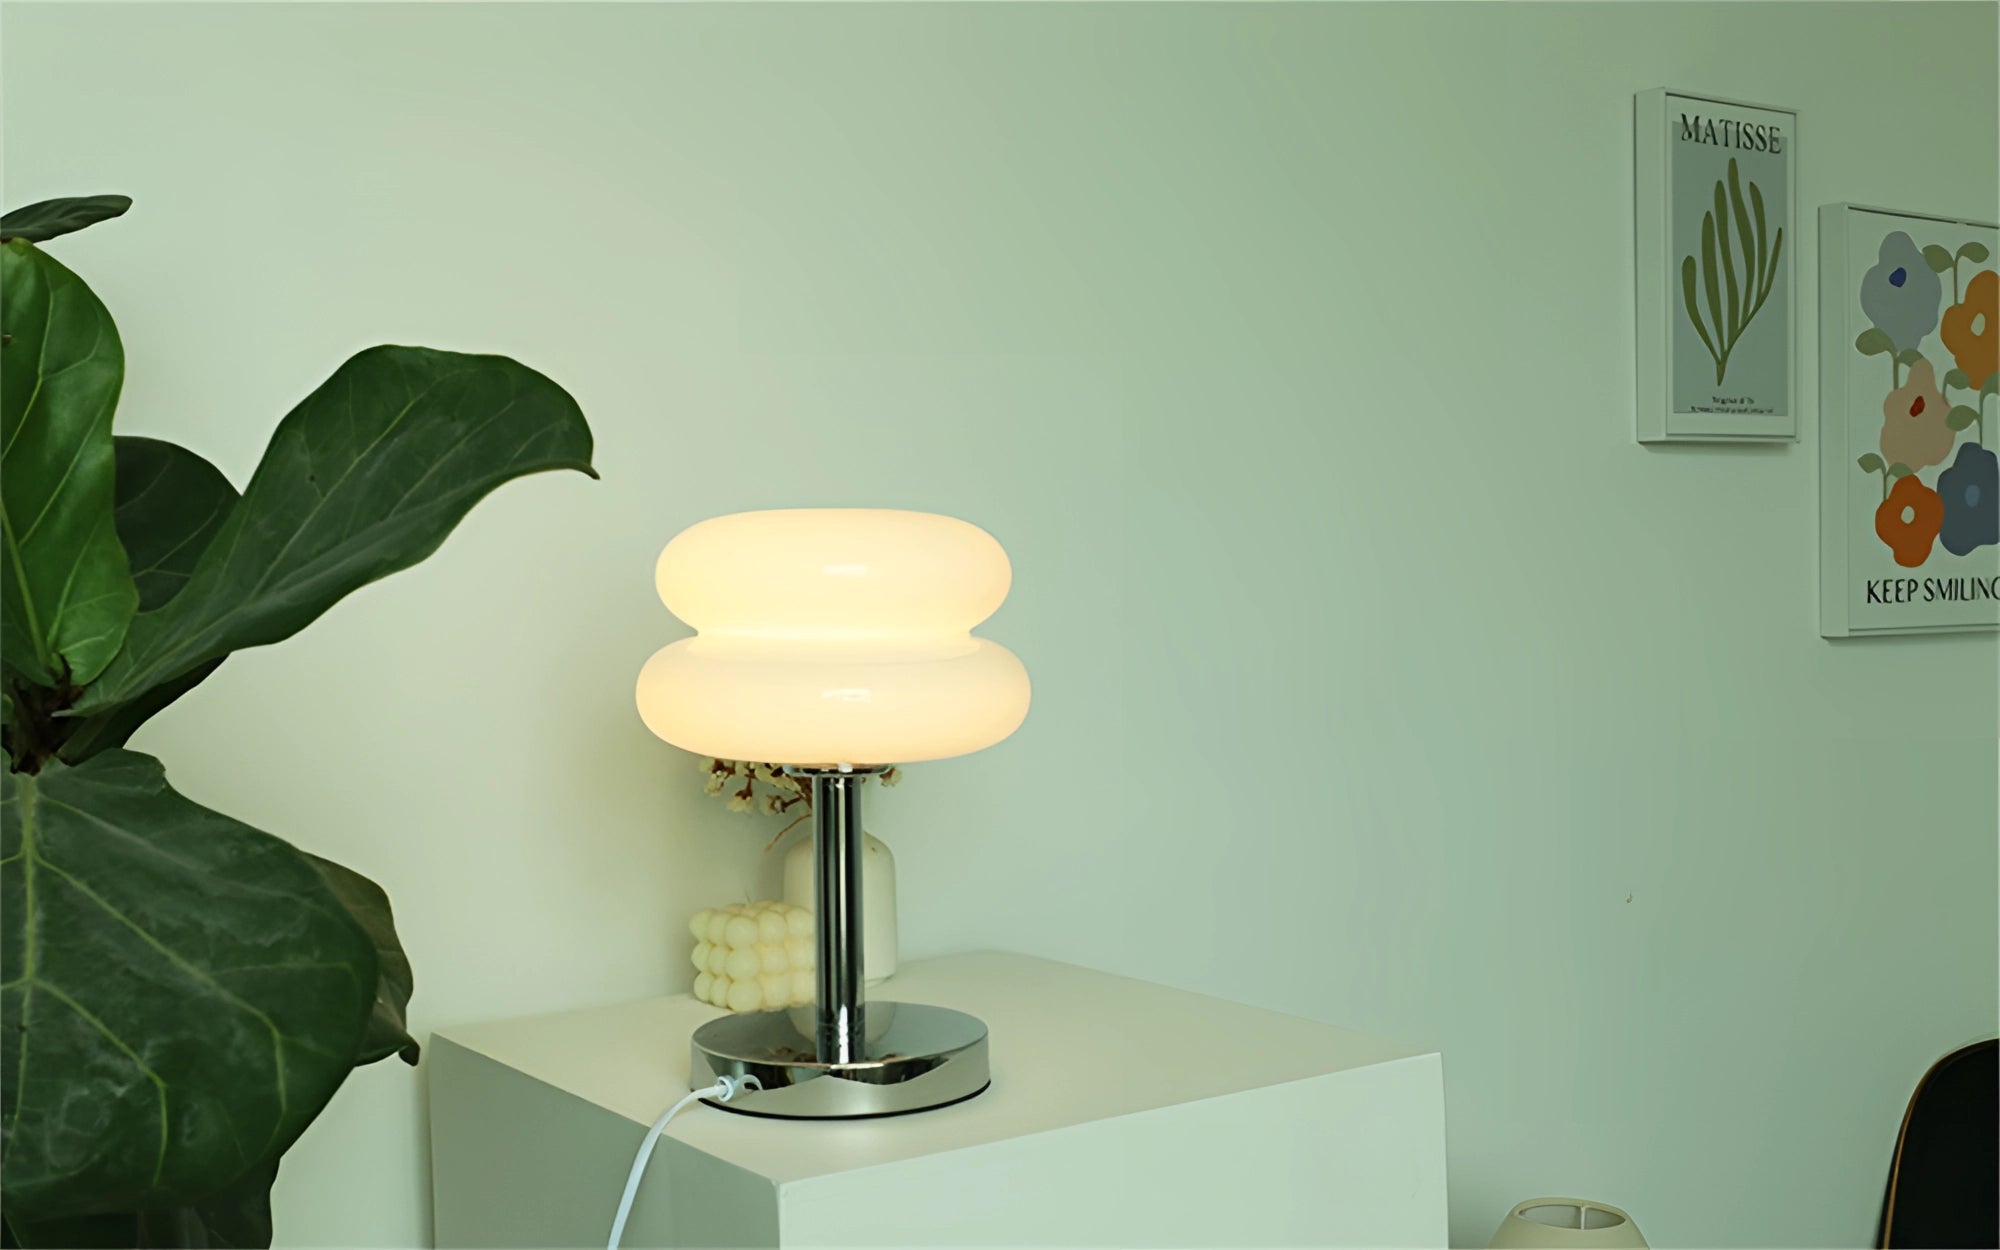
[1731, 304]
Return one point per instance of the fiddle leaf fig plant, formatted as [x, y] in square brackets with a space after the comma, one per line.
[180, 993]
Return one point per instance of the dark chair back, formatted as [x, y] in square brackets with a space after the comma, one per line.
[1944, 1183]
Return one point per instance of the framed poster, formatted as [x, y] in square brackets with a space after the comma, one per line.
[1909, 362]
[1717, 358]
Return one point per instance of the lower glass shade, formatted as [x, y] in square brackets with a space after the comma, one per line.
[789, 705]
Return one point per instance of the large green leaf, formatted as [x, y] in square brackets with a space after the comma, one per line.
[49, 218]
[66, 596]
[234, 1219]
[170, 503]
[182, 993]
[239, 1216]
[366, 476]
[388, 1034]
[78, 1232]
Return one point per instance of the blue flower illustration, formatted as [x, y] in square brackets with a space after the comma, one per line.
[1971, 491]
[1901, 293]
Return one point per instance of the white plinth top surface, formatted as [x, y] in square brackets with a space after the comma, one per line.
[1069, 1046]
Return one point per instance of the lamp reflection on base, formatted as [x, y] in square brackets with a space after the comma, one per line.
[842, 1058]
[915, 1057]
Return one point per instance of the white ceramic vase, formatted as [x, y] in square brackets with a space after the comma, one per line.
[1566, 1224]
[878, 901]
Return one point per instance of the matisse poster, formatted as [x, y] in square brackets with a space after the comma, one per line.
[1718, 318]
[1909, 369]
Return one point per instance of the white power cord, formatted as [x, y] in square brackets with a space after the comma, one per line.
[722, 1091]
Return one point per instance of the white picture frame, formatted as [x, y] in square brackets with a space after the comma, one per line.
[1909, 492]
[1716, 206]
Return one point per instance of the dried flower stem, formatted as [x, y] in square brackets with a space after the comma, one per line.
[787, 794]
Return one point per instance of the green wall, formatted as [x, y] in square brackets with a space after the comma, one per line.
[1381, 677]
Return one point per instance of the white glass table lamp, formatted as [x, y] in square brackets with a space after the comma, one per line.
[836, 641]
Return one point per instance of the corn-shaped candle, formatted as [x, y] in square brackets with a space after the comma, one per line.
[753, 956]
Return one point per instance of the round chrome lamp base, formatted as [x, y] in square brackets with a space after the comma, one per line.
[915, 1057]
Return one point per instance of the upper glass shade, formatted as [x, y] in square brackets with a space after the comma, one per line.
[833, 636]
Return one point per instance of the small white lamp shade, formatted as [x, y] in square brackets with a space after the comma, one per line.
[1566, 1224]
[830, 636]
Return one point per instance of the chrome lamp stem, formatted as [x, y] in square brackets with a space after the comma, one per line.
[837, 913]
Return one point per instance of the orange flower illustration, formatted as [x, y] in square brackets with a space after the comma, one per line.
[1914, 431]
[1909, 519]
[1968, 329]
